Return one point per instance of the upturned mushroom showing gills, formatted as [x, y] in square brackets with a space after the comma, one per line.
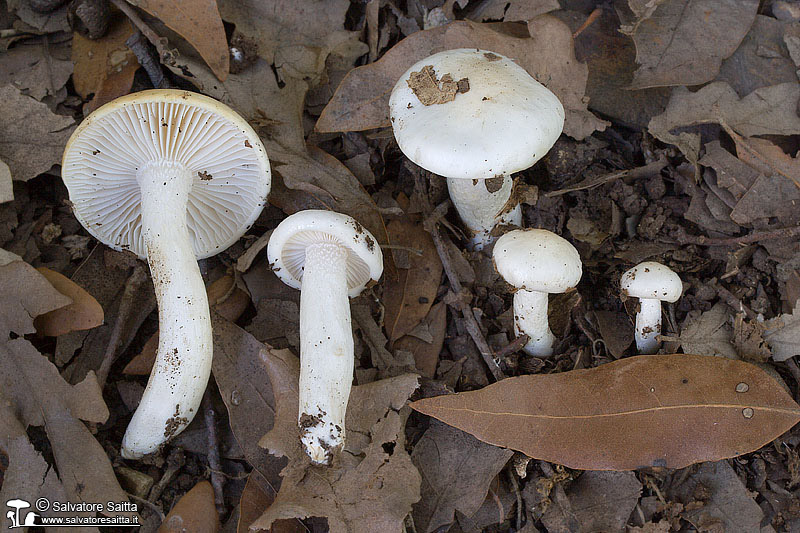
[536, 262]
[475, 117]
[329, 257]
[173, 177]
[652, 283]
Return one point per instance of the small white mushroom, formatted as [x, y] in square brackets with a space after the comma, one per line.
[652, 283]
[475, 117]
[172, 176]
[537, 262]
[328, 256]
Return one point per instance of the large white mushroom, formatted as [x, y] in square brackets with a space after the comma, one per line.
[537, 263]
[329, 257]
[475, 117]
[172, 176]
[652, 283]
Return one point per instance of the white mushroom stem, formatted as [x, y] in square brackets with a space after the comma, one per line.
[648, 325]
[480, 210]
[183, 360]
[530, 318]
[326, 351]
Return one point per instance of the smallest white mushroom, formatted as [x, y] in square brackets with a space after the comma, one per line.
[537, 262]
[328, 256]
[652, 283]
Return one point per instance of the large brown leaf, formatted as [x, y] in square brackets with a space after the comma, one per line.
[361, 101]
[198, 22]
[666, 410]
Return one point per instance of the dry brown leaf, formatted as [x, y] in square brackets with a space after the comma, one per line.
[654, 410]
[683, 42]
[296, 37]
[458, 469]
[766, 111]
[142, 363]
[729, 503]
[83, 313]
[372, 484]
[762, 59]
[41, 397]
[194, 512]
[603, 501]
[616, 330]
[768, 158]
[510, 10]
[6, 184]
[409, 295]
[254, 502]
[708, 333]
[26, 294]
[426, 350]
[244, 385]
[35, 137]
[783, 335]
[97, 59]
[33, 70]
[198, 22]
[362, 99]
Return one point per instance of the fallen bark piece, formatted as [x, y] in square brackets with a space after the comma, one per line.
[666, 410]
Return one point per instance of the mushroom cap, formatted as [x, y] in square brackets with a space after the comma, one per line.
[652, 280]
[504, 123]
[537, 260]
[286, 250]
[228, 164]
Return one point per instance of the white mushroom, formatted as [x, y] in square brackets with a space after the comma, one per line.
[652, 283]
[172, 176]
[475, 117]
[328, 256]
[537, 262]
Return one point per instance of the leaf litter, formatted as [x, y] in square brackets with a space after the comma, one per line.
[687, 158]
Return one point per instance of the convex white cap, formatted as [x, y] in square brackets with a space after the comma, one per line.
[287, 247]
[537, 260]
[228, 164]
[652, 280]
[498, 120]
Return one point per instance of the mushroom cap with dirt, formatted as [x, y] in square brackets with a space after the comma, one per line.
[536, 262]
[172, 176]
[651, 283]
[329, 257]
[469, 115]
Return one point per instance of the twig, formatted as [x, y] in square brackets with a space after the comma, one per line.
[733, 301]
[214, 464]
[639, 172]
[439, 240]
[150, 505]
[175, 461]
[593, 16]
[757, 236]
[147, 59]
[512, 347]
[166, 54]
[134, 282]
[515, 486]
[793, 368]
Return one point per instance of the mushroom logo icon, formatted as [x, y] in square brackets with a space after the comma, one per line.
[13, 516]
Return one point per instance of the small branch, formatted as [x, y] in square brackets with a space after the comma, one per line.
[147, 59]
[512, 347]
[646, 171]
[214, 464]
[735, 303]
[593, 16]
[440, 241]
[175, 461]
[166, 54]
[755, 237]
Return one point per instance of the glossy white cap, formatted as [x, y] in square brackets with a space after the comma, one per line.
[504, 123]
[652, 280]
[537, 260]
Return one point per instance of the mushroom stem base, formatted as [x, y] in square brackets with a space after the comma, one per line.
[183, 359]
[648, 326]
[530, 318]
[326, 351]
[482, 210]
